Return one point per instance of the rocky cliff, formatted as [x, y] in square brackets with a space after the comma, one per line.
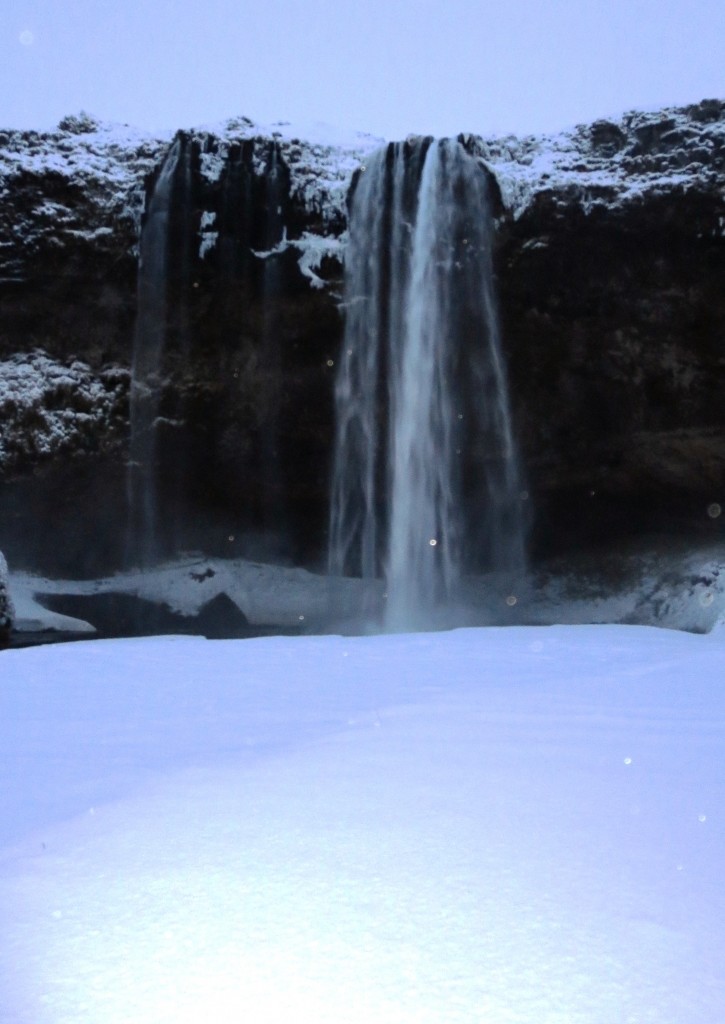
[611, 274]
[610, 264]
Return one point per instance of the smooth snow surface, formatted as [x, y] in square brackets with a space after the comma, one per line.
[505, 826]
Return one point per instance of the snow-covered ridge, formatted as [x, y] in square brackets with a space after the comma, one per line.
[607, 162]
[104, 163]
[86, 181]
[612, 162]
[114, 161]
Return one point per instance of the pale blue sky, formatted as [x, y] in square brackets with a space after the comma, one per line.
[388, 68]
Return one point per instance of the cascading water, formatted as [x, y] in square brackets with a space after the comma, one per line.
[206, 314]
[276, 188]
[148, 352]
[425, 477]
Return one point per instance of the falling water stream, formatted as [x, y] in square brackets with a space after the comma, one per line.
[426, 484]
[422, 394]
[148, 352]
[250, 216]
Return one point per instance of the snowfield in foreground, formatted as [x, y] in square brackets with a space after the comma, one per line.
[506, 826]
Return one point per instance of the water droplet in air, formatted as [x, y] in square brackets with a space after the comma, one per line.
[714, 510]
[628, 760]
[26, 37]
[702, 817]
[432, 542]
[511, 600]
[330, 362]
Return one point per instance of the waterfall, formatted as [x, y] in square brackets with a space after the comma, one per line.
[148, 351]
[177, 336]
[276, 187]
[425, 479]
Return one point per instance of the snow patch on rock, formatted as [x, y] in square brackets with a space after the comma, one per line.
[673, 589]
[47, 407]
[612, 162]
[313, 249]
[266, 594]
[321, 159]
[103, 165]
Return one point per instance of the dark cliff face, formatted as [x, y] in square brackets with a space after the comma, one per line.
[613, 305]
[610, 263]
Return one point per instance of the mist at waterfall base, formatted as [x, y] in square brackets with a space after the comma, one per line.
[426, 483]
[478, 825]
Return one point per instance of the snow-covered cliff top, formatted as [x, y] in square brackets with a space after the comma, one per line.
[321, 158]
[87, 179]
[614, 161]
[114, 159]
[109, 159]
[608, 162]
